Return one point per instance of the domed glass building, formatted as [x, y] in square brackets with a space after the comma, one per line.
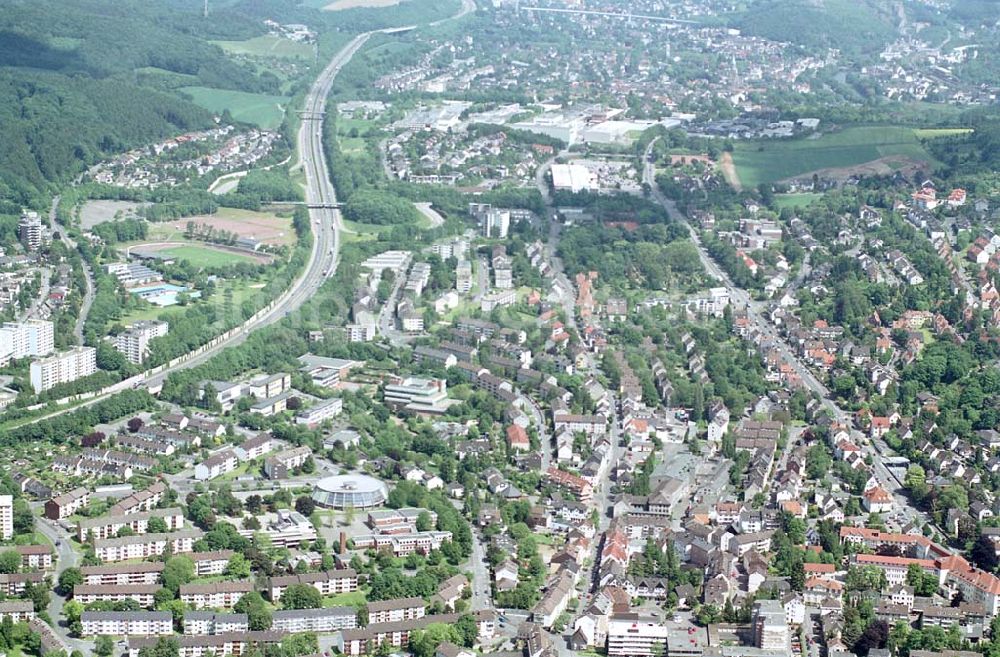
[354, 490]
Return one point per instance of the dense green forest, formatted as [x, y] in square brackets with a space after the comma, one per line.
[83, 79]
[852, 27]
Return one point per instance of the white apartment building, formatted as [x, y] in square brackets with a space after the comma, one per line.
[216, 465]
[418, 395]
[496, 223]
[330, 582]
[127, 623]
[463, 277]
[33, 337]
[138, 523]
[216, 594]
[134, 341]
[770, 631]
[30, 230]
[324, 410]
[146, 572]
[63, 367]
[211, 622]
[332, 619]
[635, 635]
[126, 548]
[6, 517]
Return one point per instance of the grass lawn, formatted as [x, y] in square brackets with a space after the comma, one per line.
[266, 111]
[242, 291]
[204, 256]
[799, 200]
[931, 133]
[269, 46]
[777, 159]
[352, 599]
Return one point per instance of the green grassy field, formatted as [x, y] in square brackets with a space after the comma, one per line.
[931, 133]
[799, 200]
[241, 292]
[204, 256]
[352, 599]
[269, 46]
[265, 111]
[772, 160]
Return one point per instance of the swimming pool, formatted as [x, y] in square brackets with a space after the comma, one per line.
[163, 294]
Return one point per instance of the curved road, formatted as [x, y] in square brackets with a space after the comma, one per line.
[88, 293]
[320, 196]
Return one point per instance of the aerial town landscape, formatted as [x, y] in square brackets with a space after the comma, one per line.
[497, 328]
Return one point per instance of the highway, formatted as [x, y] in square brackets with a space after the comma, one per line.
[325, 221]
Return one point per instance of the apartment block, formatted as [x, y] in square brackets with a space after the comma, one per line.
[216, 594]
[6, 517]
[63, 506]
[134, 341]
[211, 622]
[63, 367]
[140, 593]
[329, 582]
[399, 609]
[127, 623]
[332, 619]
[131, 574]
[110, 550]
[33, 337]
[138, 523]
[211, 563]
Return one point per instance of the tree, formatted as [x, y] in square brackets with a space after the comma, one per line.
[68, 579]
[466, 628]
[156, 525]
[984, 554]
[104, 646]
[707, 615]
[424, 643]
[301, 596]
[238, 567]
[39, 596]
[178, 570]
[252, 604]
[424, 522]
[164, 647]
[10, 561]
[135, 424]
[305, 505]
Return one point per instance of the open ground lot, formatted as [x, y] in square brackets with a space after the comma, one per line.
[261, 109]
[97, 212]
[266, 227]
[268, 46]
[868, 150]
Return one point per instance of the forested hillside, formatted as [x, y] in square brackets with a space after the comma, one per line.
[83, 79]
[852, 27]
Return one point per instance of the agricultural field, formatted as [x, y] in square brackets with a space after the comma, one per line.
[266, 227]
[869, 150]
[260, 109]
[269, 46]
